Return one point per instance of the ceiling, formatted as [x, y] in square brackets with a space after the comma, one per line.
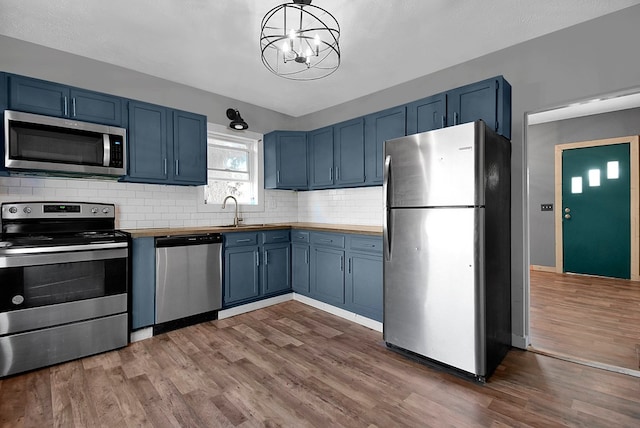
[213, 45]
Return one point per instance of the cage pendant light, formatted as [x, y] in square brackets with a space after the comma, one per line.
[299, 41]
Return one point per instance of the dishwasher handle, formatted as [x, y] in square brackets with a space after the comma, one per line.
[187, 240]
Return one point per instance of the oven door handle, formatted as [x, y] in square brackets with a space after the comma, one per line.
[62, 248]
[30, 259]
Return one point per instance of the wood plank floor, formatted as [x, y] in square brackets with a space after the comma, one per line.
[292, 365]
[590, 318]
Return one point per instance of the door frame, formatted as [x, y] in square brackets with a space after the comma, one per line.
[634, 180]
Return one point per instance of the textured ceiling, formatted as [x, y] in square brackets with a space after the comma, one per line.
[213, 45]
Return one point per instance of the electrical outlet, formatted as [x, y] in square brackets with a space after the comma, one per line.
[546, 207]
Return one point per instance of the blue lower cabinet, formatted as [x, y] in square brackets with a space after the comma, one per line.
[143, 282]
[327, 275]
[300, 268]
[364, 285]
[256, 265]
[241, 274]
[276, 268]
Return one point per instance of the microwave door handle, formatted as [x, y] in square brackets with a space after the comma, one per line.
[106, 149]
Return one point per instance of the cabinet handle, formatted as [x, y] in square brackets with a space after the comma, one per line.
[338, 173]
[278, 176]
[73, 107]
[306, 256]
[165, 166]
[341, 263]
[257, 258]
[444, 121]
[349, 264]
[243, 240]
[455, 117]
[177, 167]
[266, 257]
[66, 106]
[325, 240]
[330, 173]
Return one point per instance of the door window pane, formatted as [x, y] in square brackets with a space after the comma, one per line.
[594, 177]
[576, 184]
[613, 170]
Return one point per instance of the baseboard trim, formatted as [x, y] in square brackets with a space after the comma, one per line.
[358, 319]
[594, 364]
[260, 304]
[143, 333]
[541, 268]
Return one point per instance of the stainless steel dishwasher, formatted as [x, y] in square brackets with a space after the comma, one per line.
[188, 276]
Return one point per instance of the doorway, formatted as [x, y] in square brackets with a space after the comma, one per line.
[596, 229]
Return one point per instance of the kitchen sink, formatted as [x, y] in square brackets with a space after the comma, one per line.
[242, 226]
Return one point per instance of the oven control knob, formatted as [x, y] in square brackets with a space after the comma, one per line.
[27, 210]
[94, 210]
[17, 299]
[13, 210]
[105, 210]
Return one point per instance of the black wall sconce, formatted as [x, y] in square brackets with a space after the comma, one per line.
[237, 122]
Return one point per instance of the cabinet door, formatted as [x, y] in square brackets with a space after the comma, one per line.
[147, 143]
[38, 96]
[364, 285]
[327, 275]
[300, 268]
[189, 148]
[427, 114]
[276, 268]
[378, 128]
[472, 102]
[291, 172]
[321, 158]
[349, 152]
[94, 107]
[241, 274]
[143, 283]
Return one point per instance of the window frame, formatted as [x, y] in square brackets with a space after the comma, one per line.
[223, 131]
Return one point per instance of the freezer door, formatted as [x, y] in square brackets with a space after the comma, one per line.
[432, 286]
[436, 168]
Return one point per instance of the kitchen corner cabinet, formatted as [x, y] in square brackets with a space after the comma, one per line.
[327, 267]
[143, 286]
[321, 158]
[379, 127]
[256, 265]
[300, 261]
[166, 146]
[53, 99]
[285, 160]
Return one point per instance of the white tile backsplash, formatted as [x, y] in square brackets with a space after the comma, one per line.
[140, 206]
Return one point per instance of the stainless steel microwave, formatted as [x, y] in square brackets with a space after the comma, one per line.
[42, 143]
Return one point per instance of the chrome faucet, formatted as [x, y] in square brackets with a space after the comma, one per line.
[236, 220]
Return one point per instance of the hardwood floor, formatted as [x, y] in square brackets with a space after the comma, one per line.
[590, 318]
[293, 365]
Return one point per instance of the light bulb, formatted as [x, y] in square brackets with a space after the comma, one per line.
[292, 34]
[316, 40]
[285, 47]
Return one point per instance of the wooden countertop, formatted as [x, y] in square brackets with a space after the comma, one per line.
[323, 227]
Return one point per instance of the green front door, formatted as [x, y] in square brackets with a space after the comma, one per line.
[596, 232]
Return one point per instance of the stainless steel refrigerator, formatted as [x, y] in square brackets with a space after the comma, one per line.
[447, 265]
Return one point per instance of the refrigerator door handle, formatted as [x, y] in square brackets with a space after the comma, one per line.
[387, 210]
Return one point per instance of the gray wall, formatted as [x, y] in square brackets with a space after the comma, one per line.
[592, 58]
[17, 56]
[541, 140]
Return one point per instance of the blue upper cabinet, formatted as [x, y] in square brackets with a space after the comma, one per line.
[489, 100]
[285, 160]
[379, 127]
[349, 153]
[166, 146]
[189, 148]
[427, 114]
[321, 158]
[147, 143]
[52, 99]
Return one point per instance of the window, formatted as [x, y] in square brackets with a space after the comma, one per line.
[233, 168]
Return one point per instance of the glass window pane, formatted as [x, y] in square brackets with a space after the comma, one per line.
[613, 170]
[594, 177]
[228, 175]
[223, 158]
[217, 190]
[576, 184]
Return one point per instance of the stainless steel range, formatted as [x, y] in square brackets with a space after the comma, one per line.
[63, 283]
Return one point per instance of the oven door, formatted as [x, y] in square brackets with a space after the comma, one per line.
[58, 285]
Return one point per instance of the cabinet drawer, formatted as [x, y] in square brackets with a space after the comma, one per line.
[300, 236]
[327, 239]
[366, 243]
[275, 236]
[240, 239]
